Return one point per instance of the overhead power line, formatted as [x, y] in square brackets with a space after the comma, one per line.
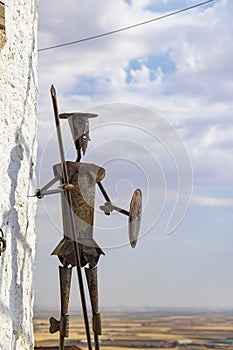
[125, 28]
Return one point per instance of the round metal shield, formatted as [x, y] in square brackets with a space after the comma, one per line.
[135, 217]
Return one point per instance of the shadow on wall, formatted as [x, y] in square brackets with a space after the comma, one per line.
[11, 222]
[16, 287]
[19, 256]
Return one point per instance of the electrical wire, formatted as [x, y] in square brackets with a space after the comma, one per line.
[124, 28]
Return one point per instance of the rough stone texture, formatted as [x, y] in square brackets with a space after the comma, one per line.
[18, 123]
[2, 38]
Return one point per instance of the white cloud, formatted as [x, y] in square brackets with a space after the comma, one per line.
[212, 201]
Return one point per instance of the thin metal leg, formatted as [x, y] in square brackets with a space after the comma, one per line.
[62, 326]
[92, 282]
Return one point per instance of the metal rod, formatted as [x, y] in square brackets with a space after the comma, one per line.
[61, 342]
[68, 196]
[101, 187]
[49, 184]
[122, 211]
[97, 343]
[45, 193]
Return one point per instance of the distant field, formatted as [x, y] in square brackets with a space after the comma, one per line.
[143, 330]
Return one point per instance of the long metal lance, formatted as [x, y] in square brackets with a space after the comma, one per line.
[69, 200]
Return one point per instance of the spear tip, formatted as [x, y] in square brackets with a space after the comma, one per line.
[52, 90]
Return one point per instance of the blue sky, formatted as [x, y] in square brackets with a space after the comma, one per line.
[163, 93]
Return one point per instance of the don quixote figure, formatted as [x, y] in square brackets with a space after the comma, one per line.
[77, 185]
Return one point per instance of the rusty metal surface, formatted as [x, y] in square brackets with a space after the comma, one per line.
[95, 171]
[77, 115]
[79, 126]
[62, 325]
[84, 178]
[92, 282]
[65, 275]
[54, 325]
[96, 324]
[89, 252]
[135, 217]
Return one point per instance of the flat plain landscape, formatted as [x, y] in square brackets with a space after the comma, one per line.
[154, 329]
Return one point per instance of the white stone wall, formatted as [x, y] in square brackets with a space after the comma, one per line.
[18, 124]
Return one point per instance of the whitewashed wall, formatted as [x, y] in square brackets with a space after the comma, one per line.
[18, 124]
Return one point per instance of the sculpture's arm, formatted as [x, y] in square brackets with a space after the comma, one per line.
[108, 207]
[40, 193]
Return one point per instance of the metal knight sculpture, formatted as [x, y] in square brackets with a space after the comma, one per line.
[78, 248]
